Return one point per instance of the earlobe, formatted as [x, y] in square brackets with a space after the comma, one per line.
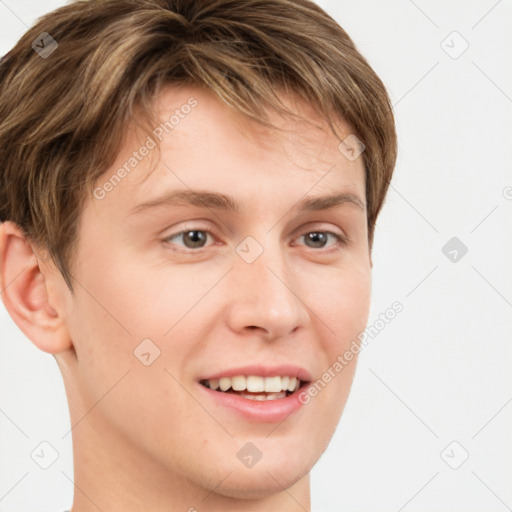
[25, 292]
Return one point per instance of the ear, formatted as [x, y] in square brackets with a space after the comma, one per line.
[26, 294]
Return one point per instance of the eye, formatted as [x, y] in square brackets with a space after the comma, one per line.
[192, 238]
[318, 238]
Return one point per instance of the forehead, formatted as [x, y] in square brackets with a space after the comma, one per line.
[200, 143]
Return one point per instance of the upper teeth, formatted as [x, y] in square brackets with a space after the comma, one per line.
[255, 383]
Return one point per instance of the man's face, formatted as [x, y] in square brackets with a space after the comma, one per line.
[268, 290]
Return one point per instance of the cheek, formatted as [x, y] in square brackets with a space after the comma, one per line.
[340, 301]
[342, 310]
[351, 304]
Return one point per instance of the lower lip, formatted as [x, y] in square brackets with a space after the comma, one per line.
[267, 411]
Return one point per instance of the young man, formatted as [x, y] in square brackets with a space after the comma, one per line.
[188, 195]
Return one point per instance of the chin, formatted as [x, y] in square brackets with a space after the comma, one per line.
[252, 484]
[281, 467]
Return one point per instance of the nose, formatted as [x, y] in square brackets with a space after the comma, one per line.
[266, 296]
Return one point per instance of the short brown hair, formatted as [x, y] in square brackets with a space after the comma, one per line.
[62, 118]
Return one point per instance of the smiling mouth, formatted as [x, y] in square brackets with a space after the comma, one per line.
[255, 387]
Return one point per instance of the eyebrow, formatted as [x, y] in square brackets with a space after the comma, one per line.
[217, 201]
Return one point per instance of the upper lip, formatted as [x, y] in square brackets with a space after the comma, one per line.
[263, 371]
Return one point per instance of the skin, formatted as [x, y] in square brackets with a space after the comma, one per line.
[143, 436]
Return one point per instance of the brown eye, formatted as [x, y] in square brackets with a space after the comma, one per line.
[192, 238]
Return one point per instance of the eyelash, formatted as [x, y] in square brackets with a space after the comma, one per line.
[341, 239]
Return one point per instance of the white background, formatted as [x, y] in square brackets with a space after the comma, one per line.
[440, 371]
